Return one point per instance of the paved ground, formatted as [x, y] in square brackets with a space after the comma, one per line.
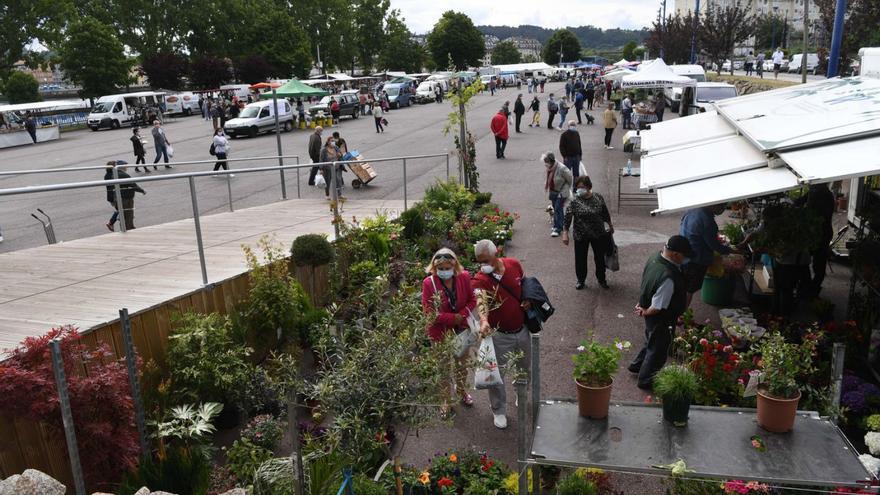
[783, 76]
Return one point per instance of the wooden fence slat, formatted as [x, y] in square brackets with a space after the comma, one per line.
[11, 456]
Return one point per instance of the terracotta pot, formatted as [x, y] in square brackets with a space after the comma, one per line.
[593, 401]
[774, 414]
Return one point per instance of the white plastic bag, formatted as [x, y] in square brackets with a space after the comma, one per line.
[582, 170]
[319, 180]
[467, 338]
[487, 375]
[170, 151]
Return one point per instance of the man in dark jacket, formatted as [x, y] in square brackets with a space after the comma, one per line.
[315, 152]
[518, 110]
[570, 148]
[30, 125]
[126, 191]
[662, 301]
[820, 200]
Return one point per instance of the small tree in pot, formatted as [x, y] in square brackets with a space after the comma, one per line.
[594, 368]
[676, 386]
[310, 256]
[784, 367]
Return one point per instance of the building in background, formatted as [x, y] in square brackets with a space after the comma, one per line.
[44, 76]
[529, 48]
[793, 10]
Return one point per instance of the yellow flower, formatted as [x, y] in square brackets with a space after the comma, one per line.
[425, 477]
[453, 458]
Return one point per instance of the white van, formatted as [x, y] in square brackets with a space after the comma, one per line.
[259, 117]
[673, 95]
[242, 91]
[115, 111]
[795, 64]
[186, 103]
[426, 92]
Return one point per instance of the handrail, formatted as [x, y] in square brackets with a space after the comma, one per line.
[101, 167]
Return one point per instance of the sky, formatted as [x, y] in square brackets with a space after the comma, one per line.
[629, 14]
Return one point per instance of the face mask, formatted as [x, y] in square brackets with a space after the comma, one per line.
[487, 269]
[581, 191]
[445, 274]
[572, 128]
[549, 165]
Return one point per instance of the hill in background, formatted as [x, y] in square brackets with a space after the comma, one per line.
[590, 36]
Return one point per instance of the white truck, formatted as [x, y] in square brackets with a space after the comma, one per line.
[115, 111]
[185, 103]
[869, 66]
[673, 95]
[795, 64]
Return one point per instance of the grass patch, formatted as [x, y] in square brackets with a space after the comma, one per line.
[771, 83]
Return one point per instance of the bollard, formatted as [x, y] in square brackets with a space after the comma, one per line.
[447, 166]
[133, 381]
[119, 207]
[535, 377]
[278, 141]
[229, 189]
[67, 417]
[298, 195]
[198, 225]
[521, 398]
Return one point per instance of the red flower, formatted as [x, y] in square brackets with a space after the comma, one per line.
[704, 342]
[727, 368]
[444, 482]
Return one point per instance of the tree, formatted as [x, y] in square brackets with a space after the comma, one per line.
[148, 27]
[22, 21]
[21, 87]
[286, 50]
[673, 39]
[209, 72]
[252, 69]
[454, 36]
[563, 40]
[369, 34]
[506, 52]
[329, 24]
[629, 50]
[400, 52]
[93, 58]
[722, 28]
[769, 31]
[165, 69]
[860, 27]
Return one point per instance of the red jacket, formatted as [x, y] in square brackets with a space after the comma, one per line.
[509, 315]
[445, 317]
[499, 125]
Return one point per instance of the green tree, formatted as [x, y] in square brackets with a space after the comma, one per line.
[769, 28]
[454, 36]
[506, 52]
[629, 50]
[565, 41]
[860, 28]
[252, 68]
[330, 26]
[22, 21]
[209, 72]
[21, 87]
[369, 33]
[400, 52]
[673, 38]
[165, 69]
[147, 27]
[93, 58]
[722, 28]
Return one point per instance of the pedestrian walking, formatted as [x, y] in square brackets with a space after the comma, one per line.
[558, 184]
[570, 149]
[552, 108]
[578, 105]
[448, 300]
[334, 110]
[820, 200]
[30, 125]
[215, 115]
[563, 112]
[568, 88]
[379, 118]
[300, 112]
[502, 278]
[609, 86]
[438, 93]
[329, 154]
[126, 191]
[315, 152]
[588, 213]
[543, 81]
[759, 65]
[529, 84]
[659, 106]
[750, 62]
[777, 57]
[499, 129]
[518, 110]
[699, 227]
[161, 142]
[661, 302]
[220, 145]
[626, 111]
[535, 106]
[140, 152]
[590, 94]
[609, 119]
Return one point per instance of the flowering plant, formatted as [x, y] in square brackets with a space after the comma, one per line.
[785, 364]
[737, 486]
[721, 370]
[264, 430]
[595, 363]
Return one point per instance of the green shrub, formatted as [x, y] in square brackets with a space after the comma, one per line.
[449, 196]
[264, 431]
[413, 221]
[873, 422]
[182, 471]
[244, 457]
[311, 250]
[675, 383]
[575, 484]
[363, 272]
[363, 485]
[438, 223]
[482, 198]
[275, 477]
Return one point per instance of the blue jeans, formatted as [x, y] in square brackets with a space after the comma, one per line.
[573, 163]
[160, 153]
[558, 213]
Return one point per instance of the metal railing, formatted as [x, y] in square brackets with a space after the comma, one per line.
[117, 184]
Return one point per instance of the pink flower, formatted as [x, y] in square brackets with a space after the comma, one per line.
[728, 348]
[704, 342]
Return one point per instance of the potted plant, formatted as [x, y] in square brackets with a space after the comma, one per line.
[784, 365]
[594, 368]
[310, 256]
[676, 386]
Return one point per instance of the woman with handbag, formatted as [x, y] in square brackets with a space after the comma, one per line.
[589, 214]
[447, 296]
[558, 185]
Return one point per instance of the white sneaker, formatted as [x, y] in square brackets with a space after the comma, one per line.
[1, 238]
[554, 233]
[231, 175]
[500, 421]
[611, 147]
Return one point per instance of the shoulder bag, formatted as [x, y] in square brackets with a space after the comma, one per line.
[465, 339]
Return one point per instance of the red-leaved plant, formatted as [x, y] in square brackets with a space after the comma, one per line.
[100, 400]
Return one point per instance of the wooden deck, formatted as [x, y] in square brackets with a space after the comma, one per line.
[85, 282]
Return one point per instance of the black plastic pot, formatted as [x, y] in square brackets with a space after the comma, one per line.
[676, 411]
[229, 418]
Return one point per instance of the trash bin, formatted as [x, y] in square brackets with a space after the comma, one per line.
[718, 291]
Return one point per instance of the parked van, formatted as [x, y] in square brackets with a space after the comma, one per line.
[115, 111]
[673, 95]
[242, 91]
[186, 103]
[259, 117]
[427, 91]
[398, 94]
[795, 64]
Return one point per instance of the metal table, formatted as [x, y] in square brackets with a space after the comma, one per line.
[715, 444]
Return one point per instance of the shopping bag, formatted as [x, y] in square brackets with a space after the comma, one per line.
[170, 151]
[612, 262]
[468, 337]
[487, 375]
[320, 181]
[582, 170]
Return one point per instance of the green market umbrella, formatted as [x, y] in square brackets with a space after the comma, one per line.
[294, 89]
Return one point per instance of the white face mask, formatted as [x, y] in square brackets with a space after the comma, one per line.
[445, 274]
[572, 128]
[581, 191]
[549, 165]
[487, 269]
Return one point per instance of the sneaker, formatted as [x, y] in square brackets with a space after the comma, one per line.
[611, 147]
[500, 421]
[554, 233]
[579, 286]
[109, 226]
[632, 368]
[215, 176]
[1, 238]
[231, 175]
[603, 284]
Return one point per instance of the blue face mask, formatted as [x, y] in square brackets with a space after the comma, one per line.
[445, 274]
[581, 191]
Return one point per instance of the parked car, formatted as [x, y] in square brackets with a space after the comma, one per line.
[349, 104]
[427, 91]
[699, 99]
[794, 65]
[258, 117]
[398, 95]
[673, 95]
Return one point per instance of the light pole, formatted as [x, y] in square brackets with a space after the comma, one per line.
[836, 36]
[806, 41]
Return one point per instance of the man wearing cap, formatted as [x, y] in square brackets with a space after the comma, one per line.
[661, 302]
[315, 152]
[126, 191]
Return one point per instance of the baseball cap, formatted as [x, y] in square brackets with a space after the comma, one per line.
[680, 244]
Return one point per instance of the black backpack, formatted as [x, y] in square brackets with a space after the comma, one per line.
[212, 150]
[552, 106]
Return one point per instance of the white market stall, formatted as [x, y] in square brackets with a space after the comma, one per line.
[50, 117]
[656, 75]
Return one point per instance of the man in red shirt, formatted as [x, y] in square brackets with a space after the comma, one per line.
[502, 277]
[499, 129]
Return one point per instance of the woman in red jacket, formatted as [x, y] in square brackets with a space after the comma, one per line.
[499, 129]
[448, 297]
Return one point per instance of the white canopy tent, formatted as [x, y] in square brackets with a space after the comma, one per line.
[622, 62]
[524, 67]
[656, 75]
[617, 74]
[765, 143]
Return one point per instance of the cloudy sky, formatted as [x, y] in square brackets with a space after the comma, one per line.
[422, 14]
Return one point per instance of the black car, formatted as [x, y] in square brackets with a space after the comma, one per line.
[349, 105]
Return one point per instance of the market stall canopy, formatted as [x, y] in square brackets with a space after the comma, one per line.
[294, 89]
[45, 106]
[524, 67]
[765, 143]
[265, 85]
[656, 75]
[622, 62]
[617, 74]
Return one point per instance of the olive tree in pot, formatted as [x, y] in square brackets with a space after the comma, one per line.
[785, 365]
[594, 368]
[310, 257]
[676, 385]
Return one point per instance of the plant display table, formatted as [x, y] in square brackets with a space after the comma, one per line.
[715, 444]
